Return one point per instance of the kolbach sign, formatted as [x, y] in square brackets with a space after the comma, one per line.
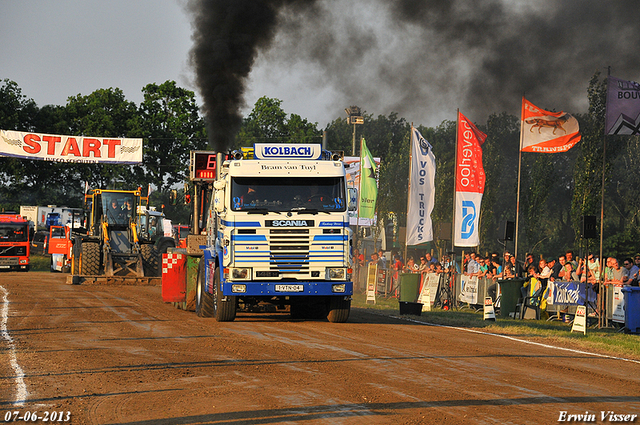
[51, 147]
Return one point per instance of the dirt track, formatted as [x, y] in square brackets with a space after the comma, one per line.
[111, 354]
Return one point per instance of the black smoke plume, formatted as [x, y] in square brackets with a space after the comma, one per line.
[420, 58]
[227, 37]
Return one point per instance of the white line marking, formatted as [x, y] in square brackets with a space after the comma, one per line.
[21, 388]
[516, 339]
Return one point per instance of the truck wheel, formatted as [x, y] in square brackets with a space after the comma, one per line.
[339, 309]
[225, 310]
[150, 260]
[165, 244]
[90, 259]
[205, 306]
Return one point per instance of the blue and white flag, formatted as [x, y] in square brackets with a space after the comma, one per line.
[421, 190]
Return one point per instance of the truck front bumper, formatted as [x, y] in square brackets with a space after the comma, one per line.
[298, 288]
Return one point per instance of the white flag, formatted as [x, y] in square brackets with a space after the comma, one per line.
[422, 190]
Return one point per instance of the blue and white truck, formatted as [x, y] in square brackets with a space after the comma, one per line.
[278, 235]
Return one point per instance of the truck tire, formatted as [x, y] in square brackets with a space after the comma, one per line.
[165, 244]
[339, 308]
[150, 260]
[225, 310]
[205, 305]
[90, 259]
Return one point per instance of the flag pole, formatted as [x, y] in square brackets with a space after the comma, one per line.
[406, 233]
[604, 155]
[359, 201]
[455, 179]
[515, 249]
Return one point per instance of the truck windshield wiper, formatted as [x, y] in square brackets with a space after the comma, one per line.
[263, 211]
[303, 210]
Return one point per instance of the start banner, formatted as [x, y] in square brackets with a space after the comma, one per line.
[51, 147]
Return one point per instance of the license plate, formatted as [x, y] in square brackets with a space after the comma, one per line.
[289, 288]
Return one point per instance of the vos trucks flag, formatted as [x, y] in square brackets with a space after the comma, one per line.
[421, 190]
[623, 107]
[470, 180]
[547, 132]
[51, 147]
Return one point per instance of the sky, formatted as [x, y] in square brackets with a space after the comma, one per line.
[421, 58]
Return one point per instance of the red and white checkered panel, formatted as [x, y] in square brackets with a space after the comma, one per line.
[174, 277]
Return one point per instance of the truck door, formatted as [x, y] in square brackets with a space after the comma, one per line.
[59, 241]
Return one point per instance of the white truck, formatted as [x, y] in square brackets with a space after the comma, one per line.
[38, 216]
[278, 235]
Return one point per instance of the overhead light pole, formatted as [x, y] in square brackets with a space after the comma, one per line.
[354, 116]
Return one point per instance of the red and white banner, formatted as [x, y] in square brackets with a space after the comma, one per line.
[51, 147]
[547, 132]
[470, 180]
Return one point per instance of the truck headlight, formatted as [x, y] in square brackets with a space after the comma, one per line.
[23, 261]
[239, 288]
[340, 287]
[243, 273]
[335, 273]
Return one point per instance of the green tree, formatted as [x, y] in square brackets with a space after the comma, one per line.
[172, 127]
[104, 113]
[27, 181]
[268, 123]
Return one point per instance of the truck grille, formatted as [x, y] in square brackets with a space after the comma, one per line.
[289, 250]
[12, 251]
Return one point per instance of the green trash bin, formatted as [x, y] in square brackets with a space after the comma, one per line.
[509, 295]
[409, 287]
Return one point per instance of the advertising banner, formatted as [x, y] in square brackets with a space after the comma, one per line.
[623, 107]
[59, 148]
[421, 190]
[470, 180]
[547, 132]
[469, 292]
[569, 293]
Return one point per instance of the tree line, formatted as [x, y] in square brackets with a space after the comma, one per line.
[556, 190]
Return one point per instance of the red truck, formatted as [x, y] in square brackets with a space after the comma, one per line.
[14, 242]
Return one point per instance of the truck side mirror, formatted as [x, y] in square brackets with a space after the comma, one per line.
[218, 201]
[353, 199]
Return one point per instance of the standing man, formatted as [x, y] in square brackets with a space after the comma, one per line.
[382, 260]
[630, 273]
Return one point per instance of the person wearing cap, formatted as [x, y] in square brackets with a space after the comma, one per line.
[557, 270]
[547, 268]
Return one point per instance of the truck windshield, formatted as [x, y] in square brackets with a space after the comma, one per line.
[13, 233]
[320, 194]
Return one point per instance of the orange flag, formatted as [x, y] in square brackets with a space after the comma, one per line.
[547, 132]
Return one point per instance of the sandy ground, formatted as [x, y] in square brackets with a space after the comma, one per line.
[119, 355]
